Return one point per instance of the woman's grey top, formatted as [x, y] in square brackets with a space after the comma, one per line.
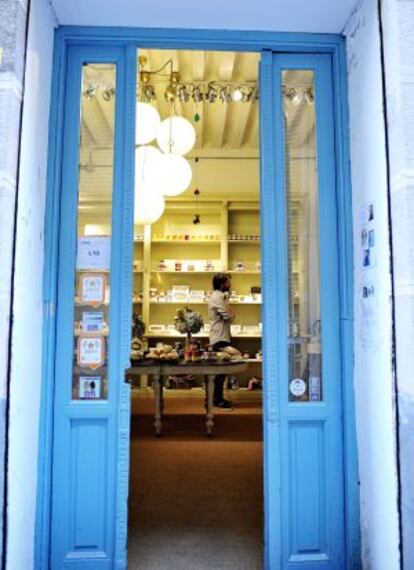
[220, 317]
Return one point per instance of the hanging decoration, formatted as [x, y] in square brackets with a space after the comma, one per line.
[196, 217]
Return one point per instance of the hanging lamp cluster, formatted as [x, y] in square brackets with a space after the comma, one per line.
[162, 171]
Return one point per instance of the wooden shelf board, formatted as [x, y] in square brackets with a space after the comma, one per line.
[188, 242]
[186, 272]
[201, 302]
[244, 241]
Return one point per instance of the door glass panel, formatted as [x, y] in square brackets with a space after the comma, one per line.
[304, 326]
[92, 286]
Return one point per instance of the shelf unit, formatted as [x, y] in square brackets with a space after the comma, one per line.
[211, 240]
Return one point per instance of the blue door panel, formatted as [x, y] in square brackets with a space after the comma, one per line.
[88, 485]
[91, 439]
[304, 487]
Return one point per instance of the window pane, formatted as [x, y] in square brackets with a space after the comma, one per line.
[96, 157]
[305, 380]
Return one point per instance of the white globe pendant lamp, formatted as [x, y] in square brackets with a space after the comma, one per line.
[176, 174]
[147, 123]
[176, 135]
[149, 205]
[147, 167]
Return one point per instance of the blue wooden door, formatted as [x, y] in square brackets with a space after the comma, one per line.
[304, 486]
[304, 504]
[91, 408]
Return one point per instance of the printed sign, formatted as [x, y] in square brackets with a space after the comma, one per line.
[89, 387]
[94, 253]
[92, 322]
[297, 387]
[314, 389]
[92, 288]
[368, 236]
[91, 351]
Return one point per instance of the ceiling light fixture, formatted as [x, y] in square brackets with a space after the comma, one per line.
[237, 95]
[108, 93]
[176, 135]
[147, 123]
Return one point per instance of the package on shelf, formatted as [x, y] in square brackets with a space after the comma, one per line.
[137, 265]
[178, 265]
[197, 295]
[235, 329]
[180, 293]
[156, 327]
[251, 329]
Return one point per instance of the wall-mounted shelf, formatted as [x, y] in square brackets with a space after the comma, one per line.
[212, 241]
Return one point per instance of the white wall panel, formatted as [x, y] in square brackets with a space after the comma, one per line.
[27, 330]
[373, 319]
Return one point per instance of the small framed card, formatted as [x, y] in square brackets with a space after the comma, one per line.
[91, 352]
[92, 322]
[90, 387]
[92, 288]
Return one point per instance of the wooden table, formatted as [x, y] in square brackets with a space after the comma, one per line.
[160, 371]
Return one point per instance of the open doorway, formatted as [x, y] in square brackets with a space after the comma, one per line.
[197, 502]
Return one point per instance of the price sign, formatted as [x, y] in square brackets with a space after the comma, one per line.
[94, 253]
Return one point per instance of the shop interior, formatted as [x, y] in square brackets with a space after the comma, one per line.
[188, 493]
[196, 502]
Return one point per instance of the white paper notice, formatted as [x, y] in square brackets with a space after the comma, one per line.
[94, 253]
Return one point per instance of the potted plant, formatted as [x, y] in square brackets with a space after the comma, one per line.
[188, 322]
[137, 331]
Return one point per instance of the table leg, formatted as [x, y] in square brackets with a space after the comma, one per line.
[162, 397]
[209, 404]
[157, 385]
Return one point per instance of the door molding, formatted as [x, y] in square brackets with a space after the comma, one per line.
[131, 39]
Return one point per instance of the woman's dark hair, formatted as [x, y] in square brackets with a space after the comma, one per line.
[219, 279]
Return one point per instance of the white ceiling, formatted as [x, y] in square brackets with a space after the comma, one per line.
[317, 16]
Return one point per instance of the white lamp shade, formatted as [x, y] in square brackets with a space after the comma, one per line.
[149, 205]
[147, 123]
[147, 167]
[176, 174]
[176, 135]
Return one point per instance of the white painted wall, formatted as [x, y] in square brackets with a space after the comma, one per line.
[27, 330]
[398, 24]
[373, 323]
[318, 16]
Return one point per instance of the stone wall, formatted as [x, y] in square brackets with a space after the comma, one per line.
[398, 28]
[13, 19]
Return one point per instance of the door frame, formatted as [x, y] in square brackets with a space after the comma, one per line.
[210, 40]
